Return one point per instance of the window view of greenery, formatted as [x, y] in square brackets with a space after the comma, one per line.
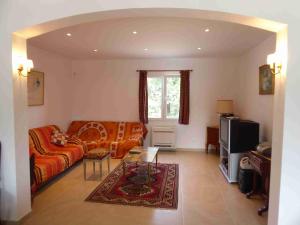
[155, 89]
[172, 98]
[163, 103]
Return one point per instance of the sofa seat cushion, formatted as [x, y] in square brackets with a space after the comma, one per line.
[48, 166]
[70, 153]
[120, 148]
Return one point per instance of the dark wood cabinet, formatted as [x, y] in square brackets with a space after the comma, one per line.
[212, 137]
[262, 167]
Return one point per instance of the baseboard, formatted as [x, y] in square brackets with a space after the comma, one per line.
[18, 222]
[8, 222]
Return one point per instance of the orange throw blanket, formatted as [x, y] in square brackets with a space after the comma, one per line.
[119, 137]
[50, 159]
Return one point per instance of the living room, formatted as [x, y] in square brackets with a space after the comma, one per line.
[93, 84]
[87, 79]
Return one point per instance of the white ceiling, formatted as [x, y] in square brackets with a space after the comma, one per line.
[163, 37]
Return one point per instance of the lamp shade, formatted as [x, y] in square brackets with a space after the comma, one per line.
[224, 106]
[29, 65]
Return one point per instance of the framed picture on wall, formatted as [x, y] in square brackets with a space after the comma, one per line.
[35, 88]
[266, 80]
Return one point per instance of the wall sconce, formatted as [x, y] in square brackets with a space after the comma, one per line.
[274, 63]
[25, 65]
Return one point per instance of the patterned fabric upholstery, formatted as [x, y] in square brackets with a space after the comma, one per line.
[119, 137]
[51, 159]
[76, 141]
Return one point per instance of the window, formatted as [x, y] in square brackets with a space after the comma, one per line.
[163, 96]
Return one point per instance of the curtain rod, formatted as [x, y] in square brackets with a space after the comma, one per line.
[162, 70]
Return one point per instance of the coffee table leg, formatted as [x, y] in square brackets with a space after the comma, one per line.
[108, 163]
[156, 156]
[124, 168]
[94, 170]
[84, 169]
[100, 164]
[149, 177]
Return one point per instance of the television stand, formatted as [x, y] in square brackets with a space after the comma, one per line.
[229, 164]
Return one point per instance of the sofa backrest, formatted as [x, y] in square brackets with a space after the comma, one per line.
[106, 131]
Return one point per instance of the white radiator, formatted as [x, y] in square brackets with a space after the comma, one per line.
[164, 137]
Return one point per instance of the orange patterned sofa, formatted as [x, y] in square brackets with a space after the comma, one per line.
[119, 137]
[50, 159]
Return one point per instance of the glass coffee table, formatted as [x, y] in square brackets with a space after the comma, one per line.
[140, 155]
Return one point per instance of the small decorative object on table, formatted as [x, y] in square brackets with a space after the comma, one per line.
[135, 151]
[96, 155]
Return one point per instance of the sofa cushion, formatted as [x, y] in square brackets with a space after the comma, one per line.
[59, 138]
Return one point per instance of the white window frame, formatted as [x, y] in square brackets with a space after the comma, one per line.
[164, 76]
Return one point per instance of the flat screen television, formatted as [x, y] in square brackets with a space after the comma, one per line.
[238, 135]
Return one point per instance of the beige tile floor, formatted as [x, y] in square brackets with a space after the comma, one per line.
[205, 198]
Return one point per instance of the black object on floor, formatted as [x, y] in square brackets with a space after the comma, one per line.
[246, 180]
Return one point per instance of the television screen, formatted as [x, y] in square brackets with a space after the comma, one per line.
[224, 131]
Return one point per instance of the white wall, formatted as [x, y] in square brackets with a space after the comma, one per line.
[57, 99]
[252, 105]
[16, 195]
[108, 90]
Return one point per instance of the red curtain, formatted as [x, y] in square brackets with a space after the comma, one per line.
[184, 108]
[143, 97]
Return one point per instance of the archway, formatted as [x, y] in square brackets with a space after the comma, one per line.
[19, 48]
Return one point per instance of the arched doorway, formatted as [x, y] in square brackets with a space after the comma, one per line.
[19, 46]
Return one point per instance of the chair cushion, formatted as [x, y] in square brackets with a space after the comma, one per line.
[97, 153]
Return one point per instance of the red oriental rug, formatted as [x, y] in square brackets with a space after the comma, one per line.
[134, 189]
